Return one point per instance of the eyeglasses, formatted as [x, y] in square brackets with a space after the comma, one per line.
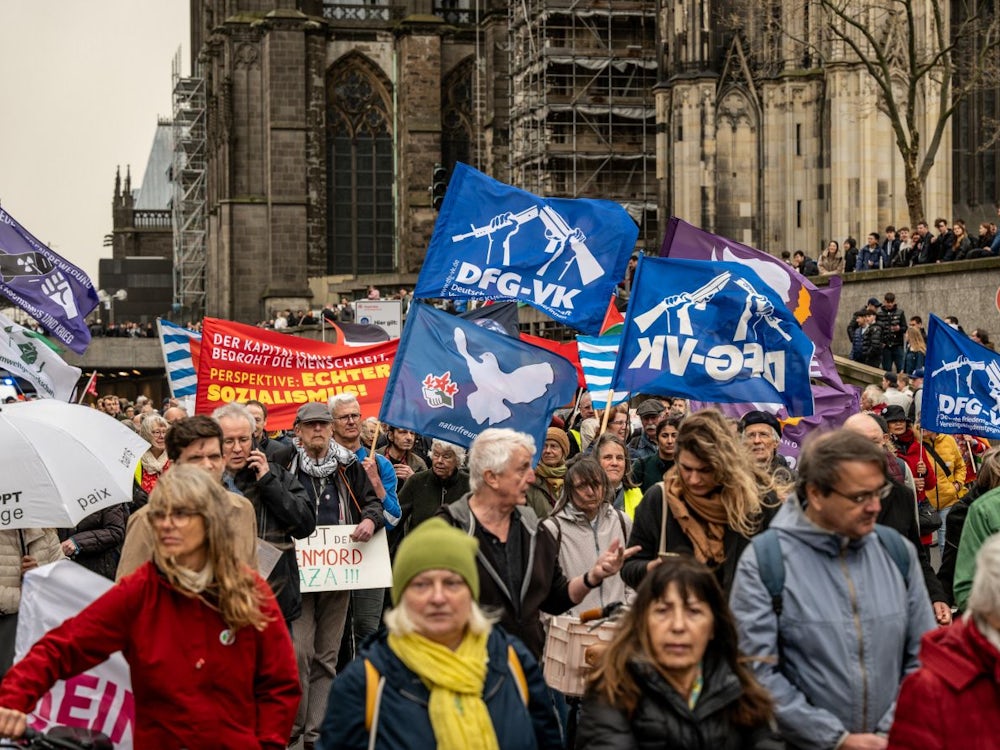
[863, 497]
[158, 433]
[348, 418]
[180, 516]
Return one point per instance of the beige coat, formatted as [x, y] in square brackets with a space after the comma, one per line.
[42, 544]
[138, 546]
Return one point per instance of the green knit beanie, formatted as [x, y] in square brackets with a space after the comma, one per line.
[435, 545]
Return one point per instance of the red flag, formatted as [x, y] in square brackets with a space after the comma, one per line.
[567, 350]
[91, 388]
[613, 319]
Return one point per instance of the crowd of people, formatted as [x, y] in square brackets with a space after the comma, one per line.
[902, 248]
[765, 606]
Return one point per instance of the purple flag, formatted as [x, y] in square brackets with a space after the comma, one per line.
[833, 407]
[49, 288]
[815, 309]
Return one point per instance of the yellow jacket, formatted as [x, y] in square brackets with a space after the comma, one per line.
[951, 477]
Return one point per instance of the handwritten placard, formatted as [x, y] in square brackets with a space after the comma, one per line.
[330, 561]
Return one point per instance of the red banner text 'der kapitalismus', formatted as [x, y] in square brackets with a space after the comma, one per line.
[244, 363]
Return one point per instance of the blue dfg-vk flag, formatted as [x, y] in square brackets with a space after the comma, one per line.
[961, 384]
[452, 379]
[52, 290]
[715, 332]
[493, 241]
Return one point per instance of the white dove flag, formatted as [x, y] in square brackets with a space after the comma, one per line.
[28, 355]
[452, 379]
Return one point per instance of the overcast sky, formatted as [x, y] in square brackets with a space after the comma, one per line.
[83, 84]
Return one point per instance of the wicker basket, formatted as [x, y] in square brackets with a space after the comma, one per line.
[565, 668]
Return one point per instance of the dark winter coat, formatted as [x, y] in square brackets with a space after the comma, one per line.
[402, 719]
[663, 720]
[545, 587]
[284, 513]
[899, 512]
[99, 537]
[952, 700]
[646, 534]
[650, 470]
[887, 320]
[871, 347]
[425, 492]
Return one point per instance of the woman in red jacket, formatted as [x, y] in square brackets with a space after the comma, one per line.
[909, 448]
[210, 656]
[951, 701]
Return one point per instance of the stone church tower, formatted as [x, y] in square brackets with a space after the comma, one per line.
[765, 146]
[323, 121]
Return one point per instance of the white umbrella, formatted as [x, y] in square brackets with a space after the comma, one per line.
[60, 462]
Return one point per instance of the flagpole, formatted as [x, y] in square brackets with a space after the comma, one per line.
[378, 426]
[86, 388]
[607, 411]
[576, 407]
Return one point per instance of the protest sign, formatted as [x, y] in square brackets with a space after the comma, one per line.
[100, 698]
[385, 313]
[330, 561]
[242, 363]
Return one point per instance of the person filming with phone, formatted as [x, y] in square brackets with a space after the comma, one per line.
[709, 504]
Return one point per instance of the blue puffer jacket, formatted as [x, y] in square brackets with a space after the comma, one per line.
[848, 633]
[402, 720]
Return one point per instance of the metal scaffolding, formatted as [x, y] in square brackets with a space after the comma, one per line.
[583, 114]
[188, 206]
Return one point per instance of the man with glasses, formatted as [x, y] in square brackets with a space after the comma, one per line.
[852, 608]
[340, 494]
[366, 604]
[195, 441]
[899, 509]
[280, 502]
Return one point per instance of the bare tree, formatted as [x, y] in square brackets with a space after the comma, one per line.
[924, 58]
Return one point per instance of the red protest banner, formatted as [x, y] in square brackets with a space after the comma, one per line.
[243, 363]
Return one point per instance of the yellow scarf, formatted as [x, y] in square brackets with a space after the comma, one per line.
[456, 679]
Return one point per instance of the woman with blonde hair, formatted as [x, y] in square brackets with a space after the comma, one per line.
[204, 639]
[916, 349]
[709, 505]
[672, 675]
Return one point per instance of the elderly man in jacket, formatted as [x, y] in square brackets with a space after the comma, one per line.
[339, 491]
[279, 500]
[518, 560]
[847, 619]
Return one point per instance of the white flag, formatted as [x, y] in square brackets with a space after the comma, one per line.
[25, 355]
[100, 698]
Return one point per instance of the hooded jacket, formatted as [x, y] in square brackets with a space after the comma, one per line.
[545, 587]
[951, 701]
[581, 542]
[849, 630]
